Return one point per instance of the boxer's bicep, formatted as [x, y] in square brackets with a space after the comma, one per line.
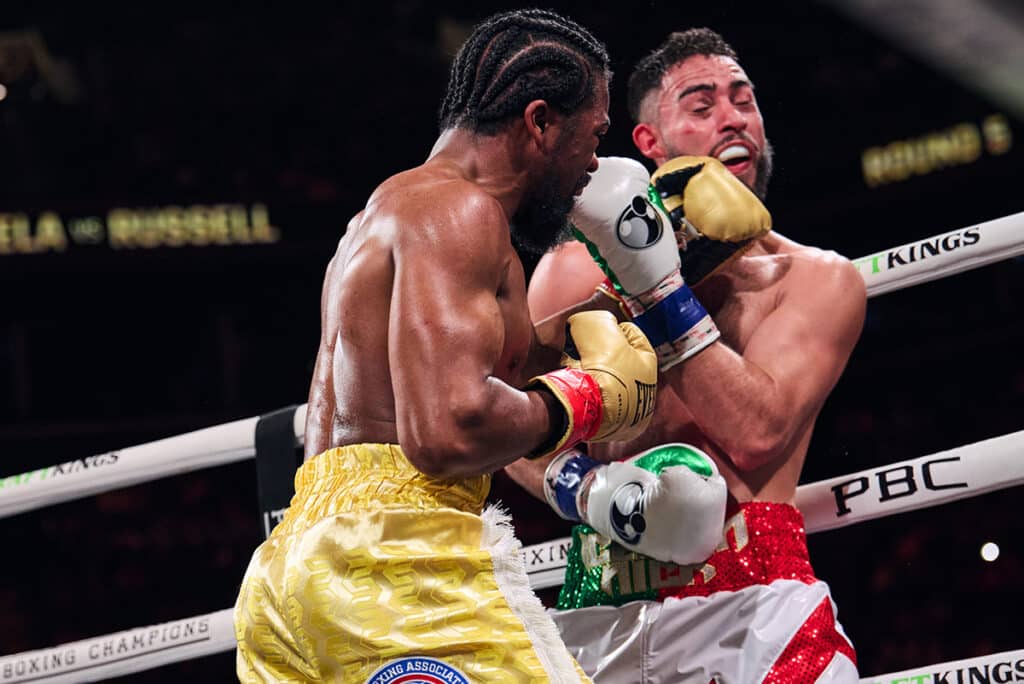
[447, 333]
[445, 325]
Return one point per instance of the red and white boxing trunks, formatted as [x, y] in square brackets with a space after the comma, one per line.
[754, 612]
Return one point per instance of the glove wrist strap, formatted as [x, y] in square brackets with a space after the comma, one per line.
[674, 321]
[639, 303]
[564, 483]
[580, 397]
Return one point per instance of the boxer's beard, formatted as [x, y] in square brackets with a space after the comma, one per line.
[543, 218]
[765, 166]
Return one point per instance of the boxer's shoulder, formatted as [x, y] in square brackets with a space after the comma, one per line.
[793, 265]
[775, 244]
[432, 210]
[826, 274]
[816, 284]
[570, 259]
[435, 189]
[565, 276]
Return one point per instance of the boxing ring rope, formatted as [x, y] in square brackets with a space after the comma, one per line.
[126, 652]
[945, 476]
[942, 477]
[893, 269]
[121, 653]
[931, 480]
[212, 446]
[943, 255]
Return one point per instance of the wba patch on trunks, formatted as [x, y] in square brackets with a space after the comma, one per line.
[417, 670]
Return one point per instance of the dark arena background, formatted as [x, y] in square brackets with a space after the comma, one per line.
[891, 120]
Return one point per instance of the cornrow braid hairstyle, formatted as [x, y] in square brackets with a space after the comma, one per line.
[515, 57]
[680, 45]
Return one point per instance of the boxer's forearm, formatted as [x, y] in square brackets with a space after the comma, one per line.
[736, 404]
[529, 474]
[482, 431]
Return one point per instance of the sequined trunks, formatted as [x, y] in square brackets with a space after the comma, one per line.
[753, 612]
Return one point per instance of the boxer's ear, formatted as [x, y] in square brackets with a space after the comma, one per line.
[648, 142]
[537, 116]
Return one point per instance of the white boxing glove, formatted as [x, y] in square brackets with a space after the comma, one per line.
[667, 502]
[620, 219]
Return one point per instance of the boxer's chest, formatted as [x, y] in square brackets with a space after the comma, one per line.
[740, 301]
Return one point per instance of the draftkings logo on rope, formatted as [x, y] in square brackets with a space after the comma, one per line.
[139, 228]
[76, 466]
[982, 673]
[918, 251]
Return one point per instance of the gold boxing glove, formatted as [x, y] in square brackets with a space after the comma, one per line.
[608, 390]
[715, 216]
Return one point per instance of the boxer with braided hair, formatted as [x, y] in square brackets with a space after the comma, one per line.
[430, 376]
[510, 60]
[516, 57]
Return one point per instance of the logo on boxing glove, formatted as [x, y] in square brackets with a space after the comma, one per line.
[639, 225]
[627, 512]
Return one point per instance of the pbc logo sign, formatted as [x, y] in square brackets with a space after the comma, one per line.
[894, 483]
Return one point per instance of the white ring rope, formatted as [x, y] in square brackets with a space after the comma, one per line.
[145, 648]
[121, 653]
[938, 478]
[943, 255]
[927, 481]
[945, 476]
[942, 477]
[204, 448]
[997, 667]
[893, 269]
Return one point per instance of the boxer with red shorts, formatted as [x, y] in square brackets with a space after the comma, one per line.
[752, 331]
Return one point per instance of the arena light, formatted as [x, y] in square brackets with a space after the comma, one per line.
[989, 551]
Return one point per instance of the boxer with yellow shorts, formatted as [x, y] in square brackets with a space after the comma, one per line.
[430, 376]
[375, 561]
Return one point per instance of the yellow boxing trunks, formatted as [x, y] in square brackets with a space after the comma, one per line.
[378, 573]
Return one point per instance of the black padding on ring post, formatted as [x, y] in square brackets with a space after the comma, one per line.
[277, 458]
